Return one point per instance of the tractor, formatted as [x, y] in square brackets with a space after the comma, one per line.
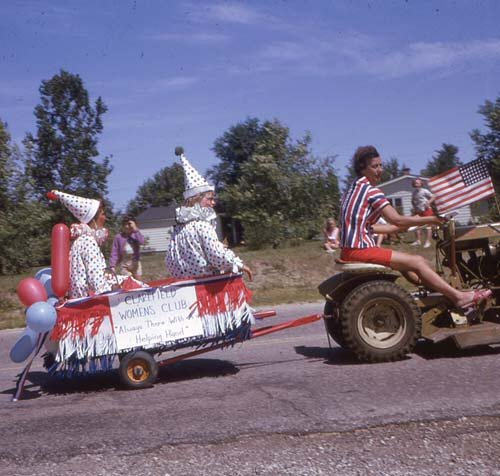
[378, 320]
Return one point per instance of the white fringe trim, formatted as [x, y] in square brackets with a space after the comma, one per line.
[104, 342]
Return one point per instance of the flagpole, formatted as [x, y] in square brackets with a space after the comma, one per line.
[496, 203]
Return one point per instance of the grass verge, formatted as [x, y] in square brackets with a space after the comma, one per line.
[281, 275]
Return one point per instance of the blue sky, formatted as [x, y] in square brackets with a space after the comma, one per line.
[405, 76]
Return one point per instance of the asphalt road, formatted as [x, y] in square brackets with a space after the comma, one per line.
[281, 404]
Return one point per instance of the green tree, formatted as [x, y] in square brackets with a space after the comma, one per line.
[64, 150]
[24, 221]
[6, 166]
[443, 159]
[24, 236]
[487, 144]
[349, 177]
[391, 169]
[279, 191]
[166, 186]
[234, 148]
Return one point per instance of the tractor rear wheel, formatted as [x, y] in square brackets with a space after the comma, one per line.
[380, 321]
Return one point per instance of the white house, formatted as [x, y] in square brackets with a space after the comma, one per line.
[399, 191]
[157, 224]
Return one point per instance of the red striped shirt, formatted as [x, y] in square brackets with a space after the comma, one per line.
[360, 209]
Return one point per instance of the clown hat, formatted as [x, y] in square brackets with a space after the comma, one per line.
[83, 209]
[194, 183]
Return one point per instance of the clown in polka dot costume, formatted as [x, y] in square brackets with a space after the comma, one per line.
[87, 263]
[195, 249]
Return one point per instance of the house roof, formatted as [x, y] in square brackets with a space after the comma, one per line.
[157, 213]
[402, 177]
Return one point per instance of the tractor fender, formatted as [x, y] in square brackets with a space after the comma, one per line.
[339, 285]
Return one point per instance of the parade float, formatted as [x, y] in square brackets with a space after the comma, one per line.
[126, 329]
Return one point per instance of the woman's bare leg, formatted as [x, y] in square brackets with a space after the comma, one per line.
[412, 277]
[417, 264]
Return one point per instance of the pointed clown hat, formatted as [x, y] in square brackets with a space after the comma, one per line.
[83, 209]
[194, 183]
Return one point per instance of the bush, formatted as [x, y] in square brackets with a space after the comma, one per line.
[24, 241]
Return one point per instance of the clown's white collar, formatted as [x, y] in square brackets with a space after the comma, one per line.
[81, 229]
[186, 214]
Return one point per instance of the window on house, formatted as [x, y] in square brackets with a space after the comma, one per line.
[397, 203]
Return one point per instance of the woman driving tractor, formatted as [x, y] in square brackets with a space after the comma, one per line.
[361, 207]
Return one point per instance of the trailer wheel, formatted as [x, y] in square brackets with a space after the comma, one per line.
[380, 321]
[332, 323]
[138, 369]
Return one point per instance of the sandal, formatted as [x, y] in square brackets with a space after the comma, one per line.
[477, 297]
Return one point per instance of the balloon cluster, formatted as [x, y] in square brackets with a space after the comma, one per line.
[39, 298]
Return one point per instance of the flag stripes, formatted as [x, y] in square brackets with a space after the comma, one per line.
[461, 186]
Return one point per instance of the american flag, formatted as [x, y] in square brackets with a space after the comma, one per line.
[461, 186]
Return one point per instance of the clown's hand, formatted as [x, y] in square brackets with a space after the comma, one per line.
[248, 272]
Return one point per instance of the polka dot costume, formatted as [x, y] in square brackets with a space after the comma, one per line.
[83, 209]
[87, 264]
[195, 250]
[194, 183]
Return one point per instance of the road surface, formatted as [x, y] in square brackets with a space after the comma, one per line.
[281, 404]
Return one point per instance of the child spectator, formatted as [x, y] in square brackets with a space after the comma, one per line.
[331, 235]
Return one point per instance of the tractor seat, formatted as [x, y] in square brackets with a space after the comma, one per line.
[360, 267]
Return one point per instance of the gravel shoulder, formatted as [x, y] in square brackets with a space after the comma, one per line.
[467, 446]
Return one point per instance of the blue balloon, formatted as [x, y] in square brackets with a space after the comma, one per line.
[43, 271]
[44, 275]
[53, 300]
[41, 316]
[24, 346]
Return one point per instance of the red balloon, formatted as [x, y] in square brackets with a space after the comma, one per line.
[60, 259]
[30, 290]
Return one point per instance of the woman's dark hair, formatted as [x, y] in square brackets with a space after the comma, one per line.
[362, 156]
[126, 219]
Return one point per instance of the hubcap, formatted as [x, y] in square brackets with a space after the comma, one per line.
[138, 370]
[381, 323]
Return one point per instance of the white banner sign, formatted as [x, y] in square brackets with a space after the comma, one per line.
[158, 316]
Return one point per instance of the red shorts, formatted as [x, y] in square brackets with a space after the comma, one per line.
[375, 255]
[426, 213]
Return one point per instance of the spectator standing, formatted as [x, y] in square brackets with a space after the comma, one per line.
[422, 200]
[126, 249]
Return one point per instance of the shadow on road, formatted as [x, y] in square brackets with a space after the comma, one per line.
[40, 383]
[426, 350]
[447, 349]
[331, 356]
[195, 369]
